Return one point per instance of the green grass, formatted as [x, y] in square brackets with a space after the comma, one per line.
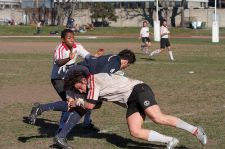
[197, 98]
[134, 31]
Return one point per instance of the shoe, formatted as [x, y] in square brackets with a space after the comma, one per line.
[201, 135]
[62, 142]
[35, 112]
[173, 143]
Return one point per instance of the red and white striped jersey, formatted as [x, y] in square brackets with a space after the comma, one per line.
[62, 52]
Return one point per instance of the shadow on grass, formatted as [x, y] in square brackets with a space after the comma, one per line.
[48, 128]
[147, 59]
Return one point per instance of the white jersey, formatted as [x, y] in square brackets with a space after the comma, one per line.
[144, 32]
[62, 52]
[111, 87]
[163, 30]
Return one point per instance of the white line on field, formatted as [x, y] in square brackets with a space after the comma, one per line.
[23, 60]
[9, 74]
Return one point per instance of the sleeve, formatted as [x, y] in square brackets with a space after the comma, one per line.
[81, 51]
[93, 92]
[59, 52]
[113, 64]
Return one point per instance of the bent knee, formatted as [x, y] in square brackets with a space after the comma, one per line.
[135, 132]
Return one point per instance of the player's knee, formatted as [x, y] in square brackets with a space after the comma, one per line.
[158, 119]
[135, 132]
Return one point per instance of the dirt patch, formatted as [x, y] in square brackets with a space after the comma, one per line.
[28, 94]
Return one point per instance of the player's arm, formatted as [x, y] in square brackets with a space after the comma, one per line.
[62, 61]
[81, 51]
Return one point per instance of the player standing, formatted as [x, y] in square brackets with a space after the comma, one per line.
[145, 37]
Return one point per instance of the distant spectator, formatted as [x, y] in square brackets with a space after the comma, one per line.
[70, 23]
[38, 27]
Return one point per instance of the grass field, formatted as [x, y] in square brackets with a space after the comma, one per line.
[197, 98]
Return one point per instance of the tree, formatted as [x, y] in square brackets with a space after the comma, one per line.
[63, 10]
[183, 5]
[103, 11]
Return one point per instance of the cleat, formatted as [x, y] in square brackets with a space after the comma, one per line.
[62, 142]
[35, 112]
[173, 143]
[201, 135]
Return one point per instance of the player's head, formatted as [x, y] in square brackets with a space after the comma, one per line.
[77, 81]
[164, 22]
[127, 57]
[145, 23]
[67, 37]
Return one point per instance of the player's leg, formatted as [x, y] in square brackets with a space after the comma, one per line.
[87, 120]
[169, 50]
[162, 47]
[38, 109]
[73, 118]
[59, 87]
[146, 47]
[135, 122]
[155, 114]
[146, 101]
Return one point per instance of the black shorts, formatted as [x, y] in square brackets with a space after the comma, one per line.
[164, 42]
[145, 39]
[140, 99]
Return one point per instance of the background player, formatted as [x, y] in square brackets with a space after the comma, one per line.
[145, 37]
[164, 42]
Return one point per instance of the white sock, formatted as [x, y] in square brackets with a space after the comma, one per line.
[157, 51]
[157, 137]
[171, 55]
[185, 126]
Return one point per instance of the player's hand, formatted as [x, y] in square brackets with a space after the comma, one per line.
[80, 102]
[72, 55]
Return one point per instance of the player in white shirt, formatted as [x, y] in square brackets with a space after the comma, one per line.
[139, 100]
[65, 55]
[164, 42]
[145, 37]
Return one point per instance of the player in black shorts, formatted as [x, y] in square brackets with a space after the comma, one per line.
[139, 100]
[164, 42]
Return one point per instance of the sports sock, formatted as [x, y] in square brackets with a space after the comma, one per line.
[157, 137]
[157, 51]
[171, 55]
[56, 106]
[185, 126]
[72, 120]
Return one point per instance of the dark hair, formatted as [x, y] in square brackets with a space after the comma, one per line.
[72, 79]
[145, 21]
[65, 31]
[127, 54]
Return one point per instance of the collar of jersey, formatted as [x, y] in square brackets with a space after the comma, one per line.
[64, 45]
